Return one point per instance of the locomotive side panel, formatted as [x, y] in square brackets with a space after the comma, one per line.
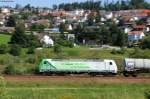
[86, 66]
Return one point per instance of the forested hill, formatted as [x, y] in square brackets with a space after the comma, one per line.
[98, 5]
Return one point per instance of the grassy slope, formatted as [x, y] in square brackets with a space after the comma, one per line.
[28, 62]
[4, 38]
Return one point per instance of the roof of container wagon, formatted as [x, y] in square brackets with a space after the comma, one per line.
[131, 59]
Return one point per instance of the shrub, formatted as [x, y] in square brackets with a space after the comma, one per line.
[3, 49]
[121, 51]
[146, 42]
[10, 69]
[147, 95]
[14, 69]
[31, 50]
[15, 50]
[57, 48]
[114, 51]
[31, 60]
[65, 43]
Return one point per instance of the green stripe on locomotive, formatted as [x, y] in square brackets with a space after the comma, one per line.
[46, 65]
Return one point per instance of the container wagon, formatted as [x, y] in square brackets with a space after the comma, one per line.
[73, 66]
[133, 66]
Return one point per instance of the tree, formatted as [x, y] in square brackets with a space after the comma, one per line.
[90, 20]
[37, 27]
[117, 35]
[137, 4]
[62, 27]
[33, 41]
[15, 50]
[105, 36]
[28, 6]
[19, 37]
[55, 7]
[17, 6]
[11, 21]
[146, 42]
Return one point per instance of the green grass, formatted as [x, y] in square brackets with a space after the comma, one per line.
[107, 93]
[4, 38]
[71, 90]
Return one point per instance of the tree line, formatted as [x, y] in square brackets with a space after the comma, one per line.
[109, 6]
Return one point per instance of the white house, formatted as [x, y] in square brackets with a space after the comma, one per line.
[127, 29]
[135, 36]
[70, 27]
[47, 41]
[109, 15]
[5, 10]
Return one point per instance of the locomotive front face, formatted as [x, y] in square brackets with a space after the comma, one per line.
[111, 66]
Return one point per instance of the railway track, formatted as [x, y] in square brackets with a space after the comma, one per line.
[78, 78]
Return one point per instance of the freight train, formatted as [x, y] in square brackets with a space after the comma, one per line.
[93, 67]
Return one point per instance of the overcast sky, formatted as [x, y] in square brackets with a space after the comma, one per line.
[42, 3]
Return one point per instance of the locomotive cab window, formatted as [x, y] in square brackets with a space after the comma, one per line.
[110, 63]
[45, 62]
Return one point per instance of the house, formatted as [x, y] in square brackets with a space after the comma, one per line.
[7, 29]
[44, 22]
[139, 27]
[5, 11]
[58, 13]
[109, 15]
[47, 41]
[52, 30]
[134, 36]
[69, 27]
[127, 29]
[2, 19]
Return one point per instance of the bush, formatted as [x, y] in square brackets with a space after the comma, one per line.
[147, 95]
[114, 51]
[31, 60]
[3, 49]
[121, 51]
[65, 43]
[146, 42]
[14, 69]
[31, 50]
[10, 69]
[15, 50]
[57, 48]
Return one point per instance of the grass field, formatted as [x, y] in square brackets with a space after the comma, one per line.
[4, 38]
[109, 92]
[72, 89]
